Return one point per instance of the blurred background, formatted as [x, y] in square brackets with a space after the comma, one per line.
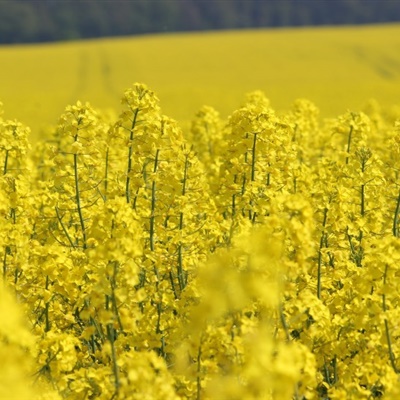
[27, 21]
[340, 54]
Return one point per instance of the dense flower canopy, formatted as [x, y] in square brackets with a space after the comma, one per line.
[253, 258]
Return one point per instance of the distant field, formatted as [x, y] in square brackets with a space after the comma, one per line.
[337, 68]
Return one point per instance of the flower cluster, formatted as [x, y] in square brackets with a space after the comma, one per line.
[253, 258]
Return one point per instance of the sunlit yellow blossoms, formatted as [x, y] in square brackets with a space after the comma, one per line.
[252, 258]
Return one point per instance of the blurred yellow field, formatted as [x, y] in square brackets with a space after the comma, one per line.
[336, 68]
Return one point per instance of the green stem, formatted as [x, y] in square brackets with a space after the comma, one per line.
[185, 174]
[396, 217]
[153, 203]
[321, 243]
[335, 372]
[233, 205]
[152, 248]
[234, 198]
[284, 323]
[99, 330]
[130, 151]
[362, 200]
[78, 199]
[349, 144]
[253, 159]
[17, 274]
[47, 328]
[159, 331]
[181, 277]
[114, 298]
[111, 338]
[388, 337]
[5, 263]
[327, 374]
[5, 163]
[243, 185]
[106, 174]
[356, 254]
[7, 249]
[64, 228]
[198, 380]
[243, 192]
[171, 278]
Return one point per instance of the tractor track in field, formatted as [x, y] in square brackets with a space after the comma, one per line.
[94, 69]
[384, 65]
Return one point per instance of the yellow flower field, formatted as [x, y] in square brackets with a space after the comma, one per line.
[249, 257]
[336, 68]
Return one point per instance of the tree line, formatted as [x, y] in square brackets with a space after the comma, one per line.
[24, 21]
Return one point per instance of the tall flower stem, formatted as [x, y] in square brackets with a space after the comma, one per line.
[78, 199]
[130, 151]
[387, 331]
